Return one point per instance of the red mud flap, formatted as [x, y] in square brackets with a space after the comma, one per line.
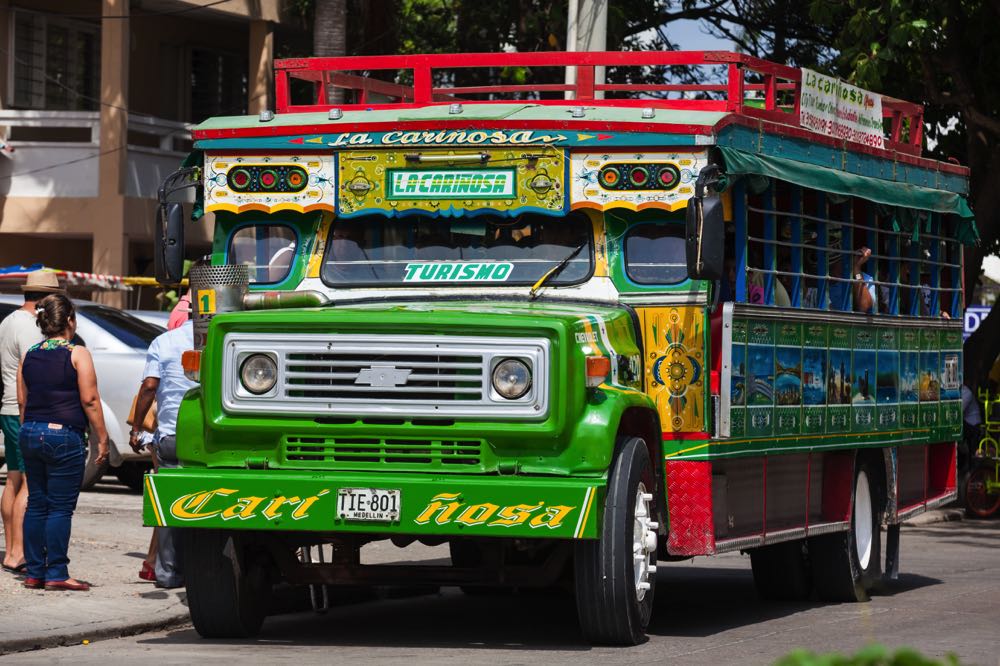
[689, 505]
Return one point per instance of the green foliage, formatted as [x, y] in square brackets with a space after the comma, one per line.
[872, 655]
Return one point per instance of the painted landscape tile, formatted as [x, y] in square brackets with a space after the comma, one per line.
[839, 377]
[887, 380]
[813, 376]
[788, 376]
[738, 381]
[864, 376]
[930, 382]
[909, 377]
[760, 375]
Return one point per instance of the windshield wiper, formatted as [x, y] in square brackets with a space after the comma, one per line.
[555, 270]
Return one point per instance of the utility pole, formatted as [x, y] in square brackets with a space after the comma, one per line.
[586, 30]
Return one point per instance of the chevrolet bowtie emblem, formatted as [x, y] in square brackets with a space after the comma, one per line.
[383, 376]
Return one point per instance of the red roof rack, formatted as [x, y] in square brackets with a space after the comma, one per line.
[743, 85]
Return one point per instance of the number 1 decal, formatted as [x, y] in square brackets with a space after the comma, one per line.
[206, 301]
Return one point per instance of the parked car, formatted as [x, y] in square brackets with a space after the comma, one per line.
[157, 317]
[118, 342]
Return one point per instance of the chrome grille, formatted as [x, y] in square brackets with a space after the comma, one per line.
[362, 452]
[358, 375]
[385, 376]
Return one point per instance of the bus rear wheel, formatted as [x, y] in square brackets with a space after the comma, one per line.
[228, 588]
[847, 565]
[615, 575]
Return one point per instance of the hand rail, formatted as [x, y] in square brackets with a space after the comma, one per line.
[774, 87]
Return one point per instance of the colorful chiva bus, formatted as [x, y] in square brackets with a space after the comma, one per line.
[569, 332]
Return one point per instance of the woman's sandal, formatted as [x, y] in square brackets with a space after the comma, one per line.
[68, 585]
[19, 569]
[147, 572]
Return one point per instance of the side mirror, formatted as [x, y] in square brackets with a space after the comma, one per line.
[705, 239]
[168, 251]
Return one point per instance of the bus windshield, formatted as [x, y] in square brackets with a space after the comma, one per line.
[486, 249]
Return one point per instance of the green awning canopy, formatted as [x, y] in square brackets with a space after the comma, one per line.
[738, 162]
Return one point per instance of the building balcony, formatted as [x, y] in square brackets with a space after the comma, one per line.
[56, 153]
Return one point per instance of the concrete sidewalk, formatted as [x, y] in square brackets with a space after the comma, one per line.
[107, 548]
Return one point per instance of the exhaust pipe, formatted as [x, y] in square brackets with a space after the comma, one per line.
[214, 290]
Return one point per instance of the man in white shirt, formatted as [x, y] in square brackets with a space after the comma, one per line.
[18, 332]
[165, 380]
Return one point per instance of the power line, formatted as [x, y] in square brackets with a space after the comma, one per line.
[60, 164]
[125, 17]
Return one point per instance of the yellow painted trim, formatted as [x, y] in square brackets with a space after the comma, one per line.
[628, 205]
[586, 512]
[726, 442]
[153, 501]
[319, 247]
[264, 208]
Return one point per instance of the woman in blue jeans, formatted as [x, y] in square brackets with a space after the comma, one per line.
[57, 394]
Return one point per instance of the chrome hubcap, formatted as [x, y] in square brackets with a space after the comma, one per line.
[643, 542]
[863, 520]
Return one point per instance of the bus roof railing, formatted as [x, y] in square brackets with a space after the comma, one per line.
[743, 85]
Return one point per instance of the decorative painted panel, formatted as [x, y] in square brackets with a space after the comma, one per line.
[508, 181]
[788, 379]
[635, 181]
[674, 343]
[269, 183]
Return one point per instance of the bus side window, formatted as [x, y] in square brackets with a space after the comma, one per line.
[268, 249]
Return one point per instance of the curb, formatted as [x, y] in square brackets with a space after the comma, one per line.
[76, 636]
[936, 516]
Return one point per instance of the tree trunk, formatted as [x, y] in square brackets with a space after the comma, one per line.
[330, 37]
[983, 346]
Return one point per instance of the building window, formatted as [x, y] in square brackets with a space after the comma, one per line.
[56, 64]
[218, 84]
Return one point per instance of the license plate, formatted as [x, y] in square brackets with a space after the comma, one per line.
[373, 504]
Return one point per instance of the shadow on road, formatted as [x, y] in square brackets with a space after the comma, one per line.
[690, 602]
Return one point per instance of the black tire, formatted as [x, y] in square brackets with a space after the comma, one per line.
[780, 572]
[978, 502]
[93, 472]
[132, 474]
[608, 600]
[226, 599]
[840, 573]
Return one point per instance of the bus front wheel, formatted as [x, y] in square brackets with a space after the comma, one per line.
[847, 565]
[227, 588]
[615, 575]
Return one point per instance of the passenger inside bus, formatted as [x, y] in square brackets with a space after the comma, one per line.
[862, 284]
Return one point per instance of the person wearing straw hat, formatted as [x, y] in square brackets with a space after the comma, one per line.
[18, 333]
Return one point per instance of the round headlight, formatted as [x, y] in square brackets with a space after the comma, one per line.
[511, 378]
[258, 374]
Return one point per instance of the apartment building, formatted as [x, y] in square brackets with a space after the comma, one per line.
[96, 101]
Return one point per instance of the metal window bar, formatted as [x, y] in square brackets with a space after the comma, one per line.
[847, 240]
[934, 268]
[770, 233]
[740, 251]
[813, 218]
[796, 253]
[880, 283]
[822, 243]
[872, 242]
[893, 245]
[757, 239]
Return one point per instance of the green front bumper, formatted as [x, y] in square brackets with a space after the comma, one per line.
[444, 505]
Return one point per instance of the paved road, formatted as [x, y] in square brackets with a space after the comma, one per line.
[706, 613]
